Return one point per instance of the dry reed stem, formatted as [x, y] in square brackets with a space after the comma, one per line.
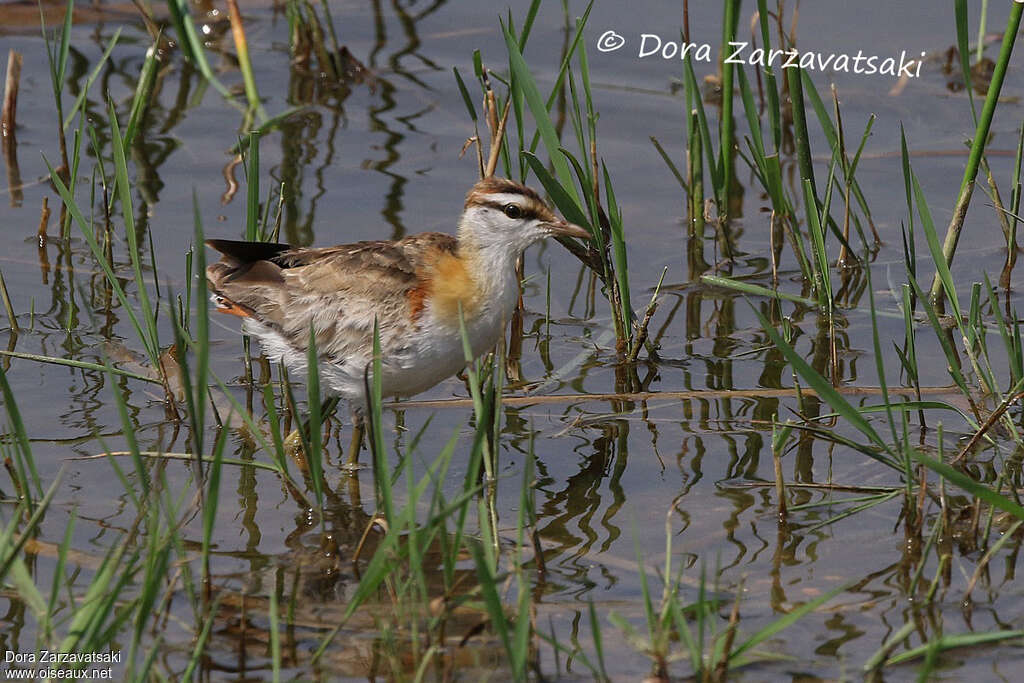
[641, 334]
[987, 557]
[7, 121]
[7, 125]
[722, 668]
[780, 486]
[992, 419]
[152, 27]
[8, 308]
[496, 140]
[44, 220]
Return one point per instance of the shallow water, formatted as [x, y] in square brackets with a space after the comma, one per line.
[614, 477]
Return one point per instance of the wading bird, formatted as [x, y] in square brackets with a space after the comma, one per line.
[414, 288]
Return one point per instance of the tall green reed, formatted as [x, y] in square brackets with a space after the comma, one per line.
[980, 139]
[191, 44]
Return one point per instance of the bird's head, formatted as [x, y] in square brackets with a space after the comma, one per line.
[502, 214]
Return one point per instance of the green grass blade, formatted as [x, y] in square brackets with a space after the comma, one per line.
[143, 91]
[524, 80]
[13, 544]
[964, 53]
[115, 282]
[192, 45]
[952, 361]
[690, 82]
[595, 634]
[949, 642]
[784, 622]
[211, 501]
[671, 164]
[65, 43]
[531, 16]
[492, 601]
[123, 189]
[199, 647]
[466, 99]
[832, 136]
[202, 349]
[756, 290]
[981, 134]
[618, 248]
[561, 198]
[20, 436]
[958, 478]
[80, 100]
[128, 429]
[252, 188]
[726, 129]
[563, 68]
[941, 265]
[821, 385]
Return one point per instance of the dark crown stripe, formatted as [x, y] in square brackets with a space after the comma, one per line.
[495, 185]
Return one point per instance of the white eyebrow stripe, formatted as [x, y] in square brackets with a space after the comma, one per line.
[507, 198]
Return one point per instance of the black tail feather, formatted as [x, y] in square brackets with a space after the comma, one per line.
[238, 252]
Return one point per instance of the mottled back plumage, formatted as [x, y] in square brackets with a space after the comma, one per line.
[337, 289]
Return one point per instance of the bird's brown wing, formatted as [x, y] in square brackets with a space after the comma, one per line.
[338, 290]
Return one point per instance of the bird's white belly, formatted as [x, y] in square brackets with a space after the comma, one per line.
[433, 353]
[437, 352]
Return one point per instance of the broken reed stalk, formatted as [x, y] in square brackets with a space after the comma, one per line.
[977, 148]
[996, 415]
[7, 121]
[12, 319]
[7, 125]
[1015, 196]
[722, 668]
[986, 559]
[780, 485]
[496, 140]
[44, 219]
[641, 332]
[495, 125]
[515, 332]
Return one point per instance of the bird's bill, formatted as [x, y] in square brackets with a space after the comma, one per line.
[568, 230]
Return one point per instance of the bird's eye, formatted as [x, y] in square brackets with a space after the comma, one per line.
[513, 211]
